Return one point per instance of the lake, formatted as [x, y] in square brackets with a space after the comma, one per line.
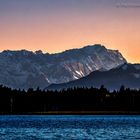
[69, 127]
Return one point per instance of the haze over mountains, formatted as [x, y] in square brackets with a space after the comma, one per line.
[25, 69]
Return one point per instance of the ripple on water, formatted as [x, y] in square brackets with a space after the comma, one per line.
[69, 127]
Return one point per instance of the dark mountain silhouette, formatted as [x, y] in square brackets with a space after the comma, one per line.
[127, 75]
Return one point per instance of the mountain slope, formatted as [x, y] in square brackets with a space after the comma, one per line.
[127, 74]
[26, 69]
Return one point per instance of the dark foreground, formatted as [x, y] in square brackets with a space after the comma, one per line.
[106, 127]
[71, 101]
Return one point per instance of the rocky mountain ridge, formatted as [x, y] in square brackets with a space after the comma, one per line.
[25, 69]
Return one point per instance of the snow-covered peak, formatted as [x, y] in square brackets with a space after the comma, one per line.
[24, 69]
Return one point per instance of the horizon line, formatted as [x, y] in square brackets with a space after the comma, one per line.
[61, 51]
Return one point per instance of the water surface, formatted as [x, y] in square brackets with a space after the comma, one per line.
[106, 127]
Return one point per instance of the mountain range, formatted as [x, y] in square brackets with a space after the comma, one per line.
[26, 69]
[126, 74]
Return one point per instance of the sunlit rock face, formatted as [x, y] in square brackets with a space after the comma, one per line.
[126, 74]
[25, 69]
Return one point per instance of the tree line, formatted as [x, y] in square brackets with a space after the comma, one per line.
[13, 101]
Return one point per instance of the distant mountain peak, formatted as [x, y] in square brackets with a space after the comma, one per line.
[27, 69]
[94, 47]
[38, 52]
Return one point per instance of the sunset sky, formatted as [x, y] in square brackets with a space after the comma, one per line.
[58, 25]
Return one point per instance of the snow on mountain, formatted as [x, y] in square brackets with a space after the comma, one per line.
[26, 69]
[127, 75]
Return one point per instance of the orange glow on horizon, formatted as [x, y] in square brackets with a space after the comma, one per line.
[114, 28]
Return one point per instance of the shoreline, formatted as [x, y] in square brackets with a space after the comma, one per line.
[75, 113]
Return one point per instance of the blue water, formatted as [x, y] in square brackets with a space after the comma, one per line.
[69, 127]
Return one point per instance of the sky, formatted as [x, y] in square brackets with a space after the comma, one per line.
[57, 25]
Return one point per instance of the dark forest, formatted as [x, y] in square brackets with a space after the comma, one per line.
[77, 99]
